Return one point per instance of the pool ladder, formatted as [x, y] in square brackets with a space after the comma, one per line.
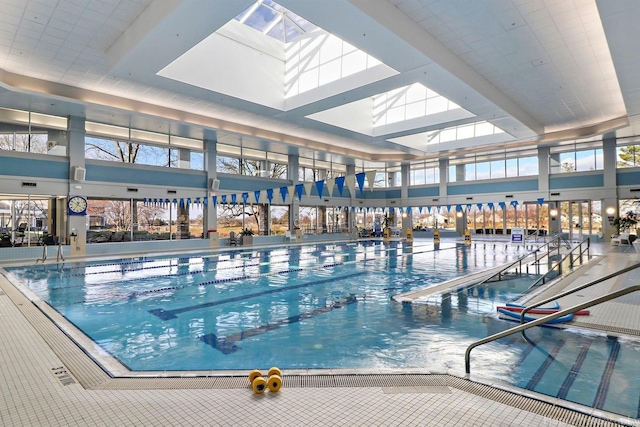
[59, 255]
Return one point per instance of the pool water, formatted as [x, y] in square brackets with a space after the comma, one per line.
[321, 306]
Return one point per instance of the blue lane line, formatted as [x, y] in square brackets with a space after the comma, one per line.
[603, 388]
[172, 314]
[573, 373]
[533, 382]
[227, 345]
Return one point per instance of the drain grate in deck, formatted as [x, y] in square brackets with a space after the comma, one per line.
[63, 375]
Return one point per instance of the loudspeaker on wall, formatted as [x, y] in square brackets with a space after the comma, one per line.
[79, 173]
[215, 184]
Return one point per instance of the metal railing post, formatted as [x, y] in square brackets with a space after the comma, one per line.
[545, 319]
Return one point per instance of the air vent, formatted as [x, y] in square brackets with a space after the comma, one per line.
[29, 184]
[469, 198]
[509, 196]
[634, 190]
[172, 192]
[393, 202]
[434, 200]
[132, 190]
[555, 194]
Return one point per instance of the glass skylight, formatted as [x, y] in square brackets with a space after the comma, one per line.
[271, 19]
[458, 133]
[407, 103]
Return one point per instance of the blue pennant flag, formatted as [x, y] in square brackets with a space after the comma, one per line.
[420, 209]
[205, 202]
[299, 188]
[428, 209]
[256, 194]
[270, 194]
[541, 201]
[283, 193]
[479, 205]
[320, 187]
[360, 179]
[188, 201]
[490, 205]
[245, 198]
[502, 205]
[340, 184]
[514, 203]
[215, 200]
[468, 207]
[458, 208]
[198, 200]
[224, 199]
[181, 203]
[448, 208]
[233, 199]
[408, 210]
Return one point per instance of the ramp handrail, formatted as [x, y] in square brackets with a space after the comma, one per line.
[545, 319]
[542, 279]
[579, 288]
[519, 260]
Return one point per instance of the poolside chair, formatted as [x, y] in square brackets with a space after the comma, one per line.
[5, 241]
[622, 239]
[233, 240]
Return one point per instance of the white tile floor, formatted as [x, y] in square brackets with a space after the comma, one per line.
[34, 394]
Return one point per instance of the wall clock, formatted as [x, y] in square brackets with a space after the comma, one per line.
[77, 205]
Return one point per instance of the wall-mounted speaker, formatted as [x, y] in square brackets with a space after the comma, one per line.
[215, 184]
[79, 173]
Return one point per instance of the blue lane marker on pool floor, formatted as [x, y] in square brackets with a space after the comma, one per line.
[172, 314]
[227, 345]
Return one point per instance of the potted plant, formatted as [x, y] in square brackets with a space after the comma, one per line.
[626, 222]
[247, 236]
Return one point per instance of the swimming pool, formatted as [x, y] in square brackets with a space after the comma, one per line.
[318, 306]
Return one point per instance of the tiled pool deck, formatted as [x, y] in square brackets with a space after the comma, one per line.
[46, 380]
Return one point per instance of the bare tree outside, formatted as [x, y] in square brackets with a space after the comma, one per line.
[24, 142]
[254, 215]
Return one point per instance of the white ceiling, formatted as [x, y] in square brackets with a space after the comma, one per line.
[543, 71]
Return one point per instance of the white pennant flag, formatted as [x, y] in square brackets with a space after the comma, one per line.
[351, 184]
[330, 183]
[308, 186]
[371, 177]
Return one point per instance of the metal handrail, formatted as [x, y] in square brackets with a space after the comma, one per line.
[60, 255]
[579, 288]
[545, 319]
[44, 255]
[509, 266]
[559, 263]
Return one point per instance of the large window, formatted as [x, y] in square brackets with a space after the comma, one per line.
[628, 156]
[31, 132]
[490, 167]
[119, 144]
[567, 159]
[424, 173]
[24, 221]
[117, 220]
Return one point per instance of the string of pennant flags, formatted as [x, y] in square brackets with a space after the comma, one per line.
[306, 188]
